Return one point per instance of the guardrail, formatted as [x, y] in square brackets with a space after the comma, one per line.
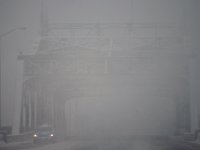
[191, 136]
[16, 138]
[20, 137]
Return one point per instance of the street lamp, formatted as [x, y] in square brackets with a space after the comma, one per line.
[1, 37]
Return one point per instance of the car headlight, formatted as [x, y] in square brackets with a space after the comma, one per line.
[51, 135]
[35, 135]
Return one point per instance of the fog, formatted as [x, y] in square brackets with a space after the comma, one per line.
[100, 68]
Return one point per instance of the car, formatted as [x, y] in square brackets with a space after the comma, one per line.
[44, 133]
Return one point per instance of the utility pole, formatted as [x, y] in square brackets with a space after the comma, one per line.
[1, 38]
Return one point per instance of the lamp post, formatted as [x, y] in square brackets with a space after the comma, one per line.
[1, 37]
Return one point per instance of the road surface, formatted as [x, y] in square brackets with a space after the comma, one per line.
[106, 144]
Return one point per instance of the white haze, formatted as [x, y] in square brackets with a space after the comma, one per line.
[139, 96]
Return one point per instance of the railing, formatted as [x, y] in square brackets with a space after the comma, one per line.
[15, 138]
[191, 136]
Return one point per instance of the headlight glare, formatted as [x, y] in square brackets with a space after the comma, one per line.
[35, 135]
